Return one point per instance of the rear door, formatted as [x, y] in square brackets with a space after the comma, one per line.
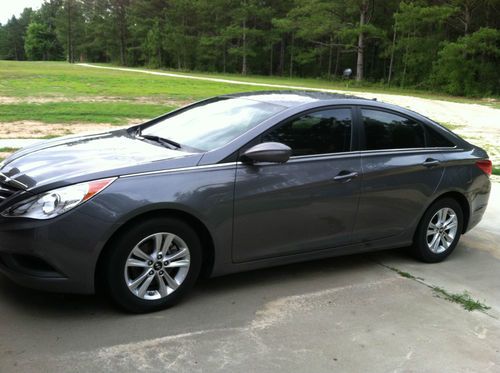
[307, 203]
[400, 173]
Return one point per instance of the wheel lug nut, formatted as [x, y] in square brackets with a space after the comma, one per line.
[151, 273]
[161, 272]
[166, 263]
[150, 263]
[160, 256]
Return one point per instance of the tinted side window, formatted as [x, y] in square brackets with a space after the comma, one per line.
[326, 131]
[435, 139]
[390, 131]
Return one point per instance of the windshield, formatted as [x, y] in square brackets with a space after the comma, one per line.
[214, 124]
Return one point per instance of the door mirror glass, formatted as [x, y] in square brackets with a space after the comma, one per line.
[268, 152]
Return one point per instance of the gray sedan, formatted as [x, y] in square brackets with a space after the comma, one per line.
[234, 183]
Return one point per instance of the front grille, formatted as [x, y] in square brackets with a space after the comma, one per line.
[6, 191]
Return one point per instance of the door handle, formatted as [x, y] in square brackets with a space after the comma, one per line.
[431, 162]
[345, 176]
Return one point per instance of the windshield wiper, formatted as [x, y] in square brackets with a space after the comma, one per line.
[11, 182]
[165, 142]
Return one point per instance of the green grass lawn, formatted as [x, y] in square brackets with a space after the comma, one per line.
[82, 112]
[60, 79]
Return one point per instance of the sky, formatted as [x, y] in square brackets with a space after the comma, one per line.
[9, 8]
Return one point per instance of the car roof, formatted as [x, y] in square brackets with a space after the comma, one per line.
[310, 99]
[291, 98]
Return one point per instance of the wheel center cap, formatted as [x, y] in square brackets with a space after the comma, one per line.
[157, 266]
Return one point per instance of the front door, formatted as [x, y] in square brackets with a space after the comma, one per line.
[305, 204]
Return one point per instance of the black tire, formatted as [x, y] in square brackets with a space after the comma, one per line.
[114, 266]
[421, 247]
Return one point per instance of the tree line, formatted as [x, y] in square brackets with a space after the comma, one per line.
[451, 46]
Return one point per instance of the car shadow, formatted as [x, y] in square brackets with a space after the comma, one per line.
[302, 271]
[40, 303]
[50, 305]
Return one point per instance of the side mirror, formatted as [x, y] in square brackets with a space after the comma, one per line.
[268, 152]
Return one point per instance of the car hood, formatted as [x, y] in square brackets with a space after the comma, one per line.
[78, 158]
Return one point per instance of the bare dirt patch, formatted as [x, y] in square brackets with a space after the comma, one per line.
[35, 129]
[8, 100]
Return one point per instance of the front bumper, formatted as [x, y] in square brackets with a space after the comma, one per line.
[19, 275]
[57, 255]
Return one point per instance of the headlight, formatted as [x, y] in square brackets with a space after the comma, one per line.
[58, 201]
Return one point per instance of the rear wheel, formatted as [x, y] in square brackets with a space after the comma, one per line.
[439, 231]
[151, 266]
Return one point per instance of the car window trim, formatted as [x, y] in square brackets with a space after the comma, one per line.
[307, 158]
[324, 155]
[412, 150]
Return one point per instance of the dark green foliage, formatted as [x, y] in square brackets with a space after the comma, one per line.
[12, 36]
[421, 30]
[37, 42]
[444, 45]
[470, 66]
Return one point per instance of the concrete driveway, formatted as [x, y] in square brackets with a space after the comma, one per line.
[354, 314]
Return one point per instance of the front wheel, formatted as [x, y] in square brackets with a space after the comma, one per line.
[439, 231]
[152, 265]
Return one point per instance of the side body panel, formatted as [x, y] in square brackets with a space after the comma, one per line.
[396, 186]
[459, 174]
[294, 207]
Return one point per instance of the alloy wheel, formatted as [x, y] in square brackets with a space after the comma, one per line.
[442, 230]
[157, 266]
